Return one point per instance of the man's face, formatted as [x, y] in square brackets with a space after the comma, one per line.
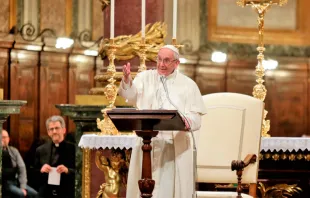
[166, 63]
[5, 138]
[56, 132]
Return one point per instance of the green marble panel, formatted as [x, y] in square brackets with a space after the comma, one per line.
[84, 117]
[7, 107]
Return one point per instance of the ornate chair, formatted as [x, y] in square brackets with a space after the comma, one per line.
[229, 140]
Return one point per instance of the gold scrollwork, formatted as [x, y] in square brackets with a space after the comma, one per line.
[278, 190]
[284, 156]
[106, 125]
[129, 44]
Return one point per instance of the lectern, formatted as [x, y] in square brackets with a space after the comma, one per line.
[146, 124]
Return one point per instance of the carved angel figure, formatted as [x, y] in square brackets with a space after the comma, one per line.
[112, 168]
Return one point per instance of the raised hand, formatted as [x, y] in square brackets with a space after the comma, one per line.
[126, 73]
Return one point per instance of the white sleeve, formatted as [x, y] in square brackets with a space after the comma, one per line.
[194, 120]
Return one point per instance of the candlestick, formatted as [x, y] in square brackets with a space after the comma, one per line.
[143, 19]
[143, 47]
[175, 16]
[106, 125]
[112, 20]
[259, 90]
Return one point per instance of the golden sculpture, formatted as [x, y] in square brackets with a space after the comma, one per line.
[279, 190]
[259, 90]
[113, 175]
[106, 126]
[129, 44]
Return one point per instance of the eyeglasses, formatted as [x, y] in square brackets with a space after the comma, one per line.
[166, 61]
[55, 128]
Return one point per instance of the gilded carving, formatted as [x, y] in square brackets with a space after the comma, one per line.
[285, 156]
[114, 174]
[278, 190]
[86, 173]
[106, 125]
[129, 44]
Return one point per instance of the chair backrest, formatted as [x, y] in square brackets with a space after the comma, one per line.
[230, 130]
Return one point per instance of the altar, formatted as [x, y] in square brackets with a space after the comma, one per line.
[99, 152]
[284, 165]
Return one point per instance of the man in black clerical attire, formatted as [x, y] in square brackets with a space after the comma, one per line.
[57, 155]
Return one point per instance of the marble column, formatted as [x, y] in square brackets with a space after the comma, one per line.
[84, 117]
[7, 107]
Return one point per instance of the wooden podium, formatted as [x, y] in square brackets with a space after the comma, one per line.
[146, 124]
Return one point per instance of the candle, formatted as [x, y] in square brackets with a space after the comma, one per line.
[175, 16]
[112, 20]
[143, 19]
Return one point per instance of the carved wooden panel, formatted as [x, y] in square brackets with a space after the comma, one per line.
[287, 99]
[53, 85]
[81, 79]
[4, 75]
[24, 86]
[241, 77]
[188, 70]
[210, 78]
[84, 73]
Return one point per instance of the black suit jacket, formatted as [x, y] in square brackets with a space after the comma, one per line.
[66, 158]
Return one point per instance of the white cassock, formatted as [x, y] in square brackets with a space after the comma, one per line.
[172, 156]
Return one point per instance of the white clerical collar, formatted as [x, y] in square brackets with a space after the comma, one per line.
[172, 75]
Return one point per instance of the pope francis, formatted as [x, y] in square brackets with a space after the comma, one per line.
[172, 154]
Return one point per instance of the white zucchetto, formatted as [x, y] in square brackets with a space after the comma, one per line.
[171, 47]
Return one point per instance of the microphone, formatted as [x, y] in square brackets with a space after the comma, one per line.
[194, 195]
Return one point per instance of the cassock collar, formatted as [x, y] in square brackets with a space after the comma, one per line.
[57, 145]
[171, 76]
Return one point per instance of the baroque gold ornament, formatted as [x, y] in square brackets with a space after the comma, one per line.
[141, 52]
[279, 190]
[129, 44]
[113, 176]
[106, 126]
[110, 91]
[259, 90]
